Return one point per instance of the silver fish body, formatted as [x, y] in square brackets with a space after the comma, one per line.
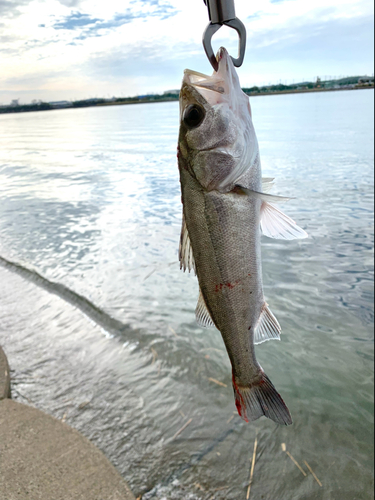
[224, 232]
[223, 204]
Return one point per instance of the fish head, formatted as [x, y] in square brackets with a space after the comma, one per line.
[217, 137]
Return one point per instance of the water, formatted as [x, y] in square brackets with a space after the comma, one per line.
[98, 321]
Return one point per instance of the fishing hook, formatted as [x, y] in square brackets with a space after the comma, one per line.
[222, 12]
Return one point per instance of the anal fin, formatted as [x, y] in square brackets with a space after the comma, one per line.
[267, 328]
[202, 314]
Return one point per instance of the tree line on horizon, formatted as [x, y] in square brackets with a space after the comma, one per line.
[16, 107]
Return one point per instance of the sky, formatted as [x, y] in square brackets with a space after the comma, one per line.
[76, 49]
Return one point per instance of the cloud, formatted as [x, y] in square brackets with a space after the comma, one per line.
[10, 8]
[304, 51]
[95, 48]
[33, 80]
[146, 60]
[70, 3]
[74, 21]
[93, 26]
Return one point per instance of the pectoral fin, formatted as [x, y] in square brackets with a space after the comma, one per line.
[275, 224]
[186, 251]
[261, 196]
[202, 315]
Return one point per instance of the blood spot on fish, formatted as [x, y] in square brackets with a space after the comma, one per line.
[233, 285]
[228, 285]
[250, 327]
[240, 403]
[239, 409]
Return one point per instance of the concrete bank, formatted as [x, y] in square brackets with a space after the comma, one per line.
[42, 458]
[4, 376]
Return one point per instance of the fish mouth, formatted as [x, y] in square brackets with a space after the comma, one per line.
[214, 83]
[201, 81]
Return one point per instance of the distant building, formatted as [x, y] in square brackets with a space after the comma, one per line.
[15, 102]
[366, 80]
[94, 100]
[172, 92]
[60, 104]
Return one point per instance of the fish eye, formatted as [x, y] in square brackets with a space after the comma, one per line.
[193, 116]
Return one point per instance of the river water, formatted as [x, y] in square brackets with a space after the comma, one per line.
[98, 321]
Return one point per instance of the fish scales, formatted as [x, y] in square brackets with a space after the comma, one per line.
[224, 210]
[221, 226]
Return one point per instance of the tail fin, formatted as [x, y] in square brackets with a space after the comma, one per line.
[261, 399]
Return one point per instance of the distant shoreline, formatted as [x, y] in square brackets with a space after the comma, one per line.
[15, 110]
[250, 94]
[308, 91]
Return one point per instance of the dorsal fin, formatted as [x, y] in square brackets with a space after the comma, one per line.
[267, 184]
[267, 328]
[186, 251]
[202, 315]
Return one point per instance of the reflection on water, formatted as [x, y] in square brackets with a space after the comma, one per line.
[100, 327]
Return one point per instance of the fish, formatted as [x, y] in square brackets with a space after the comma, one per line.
[226, 207]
